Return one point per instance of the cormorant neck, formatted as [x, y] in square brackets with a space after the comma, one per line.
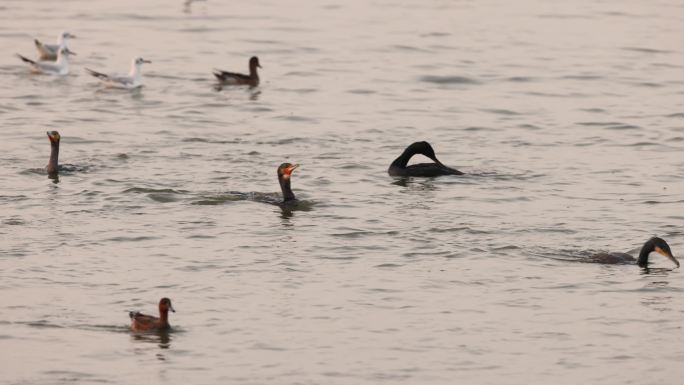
[54, 158]
[648, 247]
[288, 195]
[403, 159]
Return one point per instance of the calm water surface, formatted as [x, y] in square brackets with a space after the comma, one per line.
[567, 118]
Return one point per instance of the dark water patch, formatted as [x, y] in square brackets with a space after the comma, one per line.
[646, 50]
[435, 34]
[337, 257]
[649, 84]
[582, 77]
[409, 48]
[528, 126]
[644, 144]
[14, 221]
[564, 16]
[652, 202]
[521, 79]
[301, 91]
[676, 115]
[500, 111]
[623, 127]
[362, 91]
[147, 190]
[449, 80]
[13, 198]
[480, 129]
[132, 239]
[595, 110]
[41, 324]
[199, 29]
[388, 266]
[602, 124]
[296, 118]
[212, 141]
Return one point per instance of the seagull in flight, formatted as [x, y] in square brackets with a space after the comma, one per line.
[59, 67]
[133, 80]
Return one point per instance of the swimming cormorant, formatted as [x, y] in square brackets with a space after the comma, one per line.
[284, 173]
[654, 244]
[53, 165]
[399, 166]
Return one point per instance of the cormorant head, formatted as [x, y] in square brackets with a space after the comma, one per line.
[53, 136]
[254, 62]
[285, 170]
[423, 148]
[165, 305]
[661, 247]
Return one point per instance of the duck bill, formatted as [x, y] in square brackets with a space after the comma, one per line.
[147, 61]
[668, 255]
[171, 308]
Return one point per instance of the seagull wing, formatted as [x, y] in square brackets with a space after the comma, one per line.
[27, 60]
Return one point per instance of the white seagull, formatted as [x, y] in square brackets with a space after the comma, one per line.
[133, 80]
[59, 67]
[49, 51]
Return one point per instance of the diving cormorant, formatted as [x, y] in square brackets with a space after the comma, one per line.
[399, 166]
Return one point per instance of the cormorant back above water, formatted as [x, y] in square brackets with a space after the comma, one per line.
[654, 244]
[399, 166]
[52, 167]
[284, 173]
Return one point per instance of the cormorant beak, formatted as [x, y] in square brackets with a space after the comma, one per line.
[289, 170]
[667, 255]
[53, 138]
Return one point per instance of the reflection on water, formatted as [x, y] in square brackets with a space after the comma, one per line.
[161, 337]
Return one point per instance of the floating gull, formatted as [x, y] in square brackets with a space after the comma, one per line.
[133, 80]
[232, 78]
[49, 51]
[59, 67]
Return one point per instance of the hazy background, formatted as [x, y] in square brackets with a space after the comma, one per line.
[567, 118]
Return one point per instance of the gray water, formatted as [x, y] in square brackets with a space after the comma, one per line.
[567, 118]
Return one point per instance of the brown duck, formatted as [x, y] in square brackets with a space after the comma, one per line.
[233, 78]
[142, 322]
